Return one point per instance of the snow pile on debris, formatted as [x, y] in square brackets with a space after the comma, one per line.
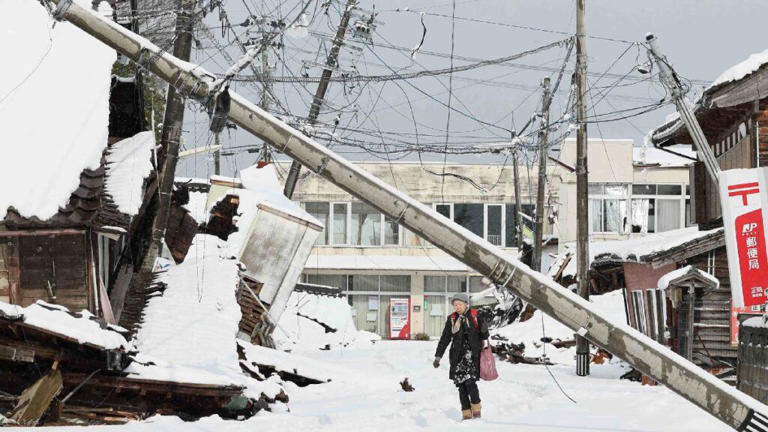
[740, 70]
[665, 280]
[83, 326]
[632, 249]
[312, 322]
[129, 162]
[530, 332]
[284, 362]
[260, 187]
[54, 107]
[188, 333]
[197, 206]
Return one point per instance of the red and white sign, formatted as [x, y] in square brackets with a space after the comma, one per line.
[399, 318]
[744, 198]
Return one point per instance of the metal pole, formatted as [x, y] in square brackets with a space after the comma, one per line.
[331, 63]
[543, 152]
[582, 187]
[733, 407]
[670, 80]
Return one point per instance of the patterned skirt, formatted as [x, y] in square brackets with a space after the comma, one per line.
[465, 369]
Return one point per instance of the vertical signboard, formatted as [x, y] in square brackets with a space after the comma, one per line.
[743, 199]
[399, 318]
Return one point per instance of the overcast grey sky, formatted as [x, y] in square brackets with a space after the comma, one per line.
[701, 38]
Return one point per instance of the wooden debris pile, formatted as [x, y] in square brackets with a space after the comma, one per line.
[52, 373]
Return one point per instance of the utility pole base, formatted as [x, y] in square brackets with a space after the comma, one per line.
[582, 364]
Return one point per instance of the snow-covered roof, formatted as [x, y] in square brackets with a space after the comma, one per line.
[674, 275]
[757, 321]
[385, 262]
[633, 249]
[54, 107]
[58, 320]
[741, 70]
[128, 164]
[737, 72]
[652, 156]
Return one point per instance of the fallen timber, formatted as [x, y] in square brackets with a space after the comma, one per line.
[736, 409]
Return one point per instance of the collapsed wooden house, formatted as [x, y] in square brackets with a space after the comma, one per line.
[676, 290]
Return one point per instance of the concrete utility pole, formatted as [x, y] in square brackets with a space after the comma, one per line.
[731, 406]
[538, 235]
[582, 187]
[331, 63]
[171, 136]
[670, 80]
[518, 198]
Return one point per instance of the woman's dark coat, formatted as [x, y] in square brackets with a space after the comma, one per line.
[476, 337]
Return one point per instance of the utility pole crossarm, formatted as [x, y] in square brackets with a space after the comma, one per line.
[659, 362]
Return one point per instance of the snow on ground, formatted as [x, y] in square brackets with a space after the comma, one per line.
[59, 75]
[129, 162]
[364, 395]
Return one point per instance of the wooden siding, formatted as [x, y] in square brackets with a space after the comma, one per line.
[60, 260]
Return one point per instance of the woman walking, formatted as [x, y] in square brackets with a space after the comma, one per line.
[465, 331]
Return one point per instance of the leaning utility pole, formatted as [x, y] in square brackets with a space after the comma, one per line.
[670, 80]
[331, 63]
[171, 136]
[538, 235]
[698, 386]
[582, 188]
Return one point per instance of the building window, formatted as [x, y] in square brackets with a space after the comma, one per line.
[320, 211]
[340, 219]
[445, 209]
[494, 227]
[608, 207]
[470, 216]
[445, 284]
[391, 231]
[658, 208]
[365, 224]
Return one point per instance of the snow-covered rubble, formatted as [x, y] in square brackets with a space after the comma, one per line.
[188, 333]
[531, 331]
[632, 249]
[67, 91]
[299, 327]
[80, 326]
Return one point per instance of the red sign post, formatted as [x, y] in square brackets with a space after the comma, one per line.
[743, 198]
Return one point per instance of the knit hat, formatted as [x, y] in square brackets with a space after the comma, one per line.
[460, 296]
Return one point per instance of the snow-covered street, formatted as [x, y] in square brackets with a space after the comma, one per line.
[365, 396]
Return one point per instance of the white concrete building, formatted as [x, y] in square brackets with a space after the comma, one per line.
[373, 259]
[632, 191]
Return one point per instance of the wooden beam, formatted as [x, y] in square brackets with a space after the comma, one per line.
[42, 232]
[36, 399]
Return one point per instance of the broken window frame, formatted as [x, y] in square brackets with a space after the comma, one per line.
[600, 196]
[655, 194]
